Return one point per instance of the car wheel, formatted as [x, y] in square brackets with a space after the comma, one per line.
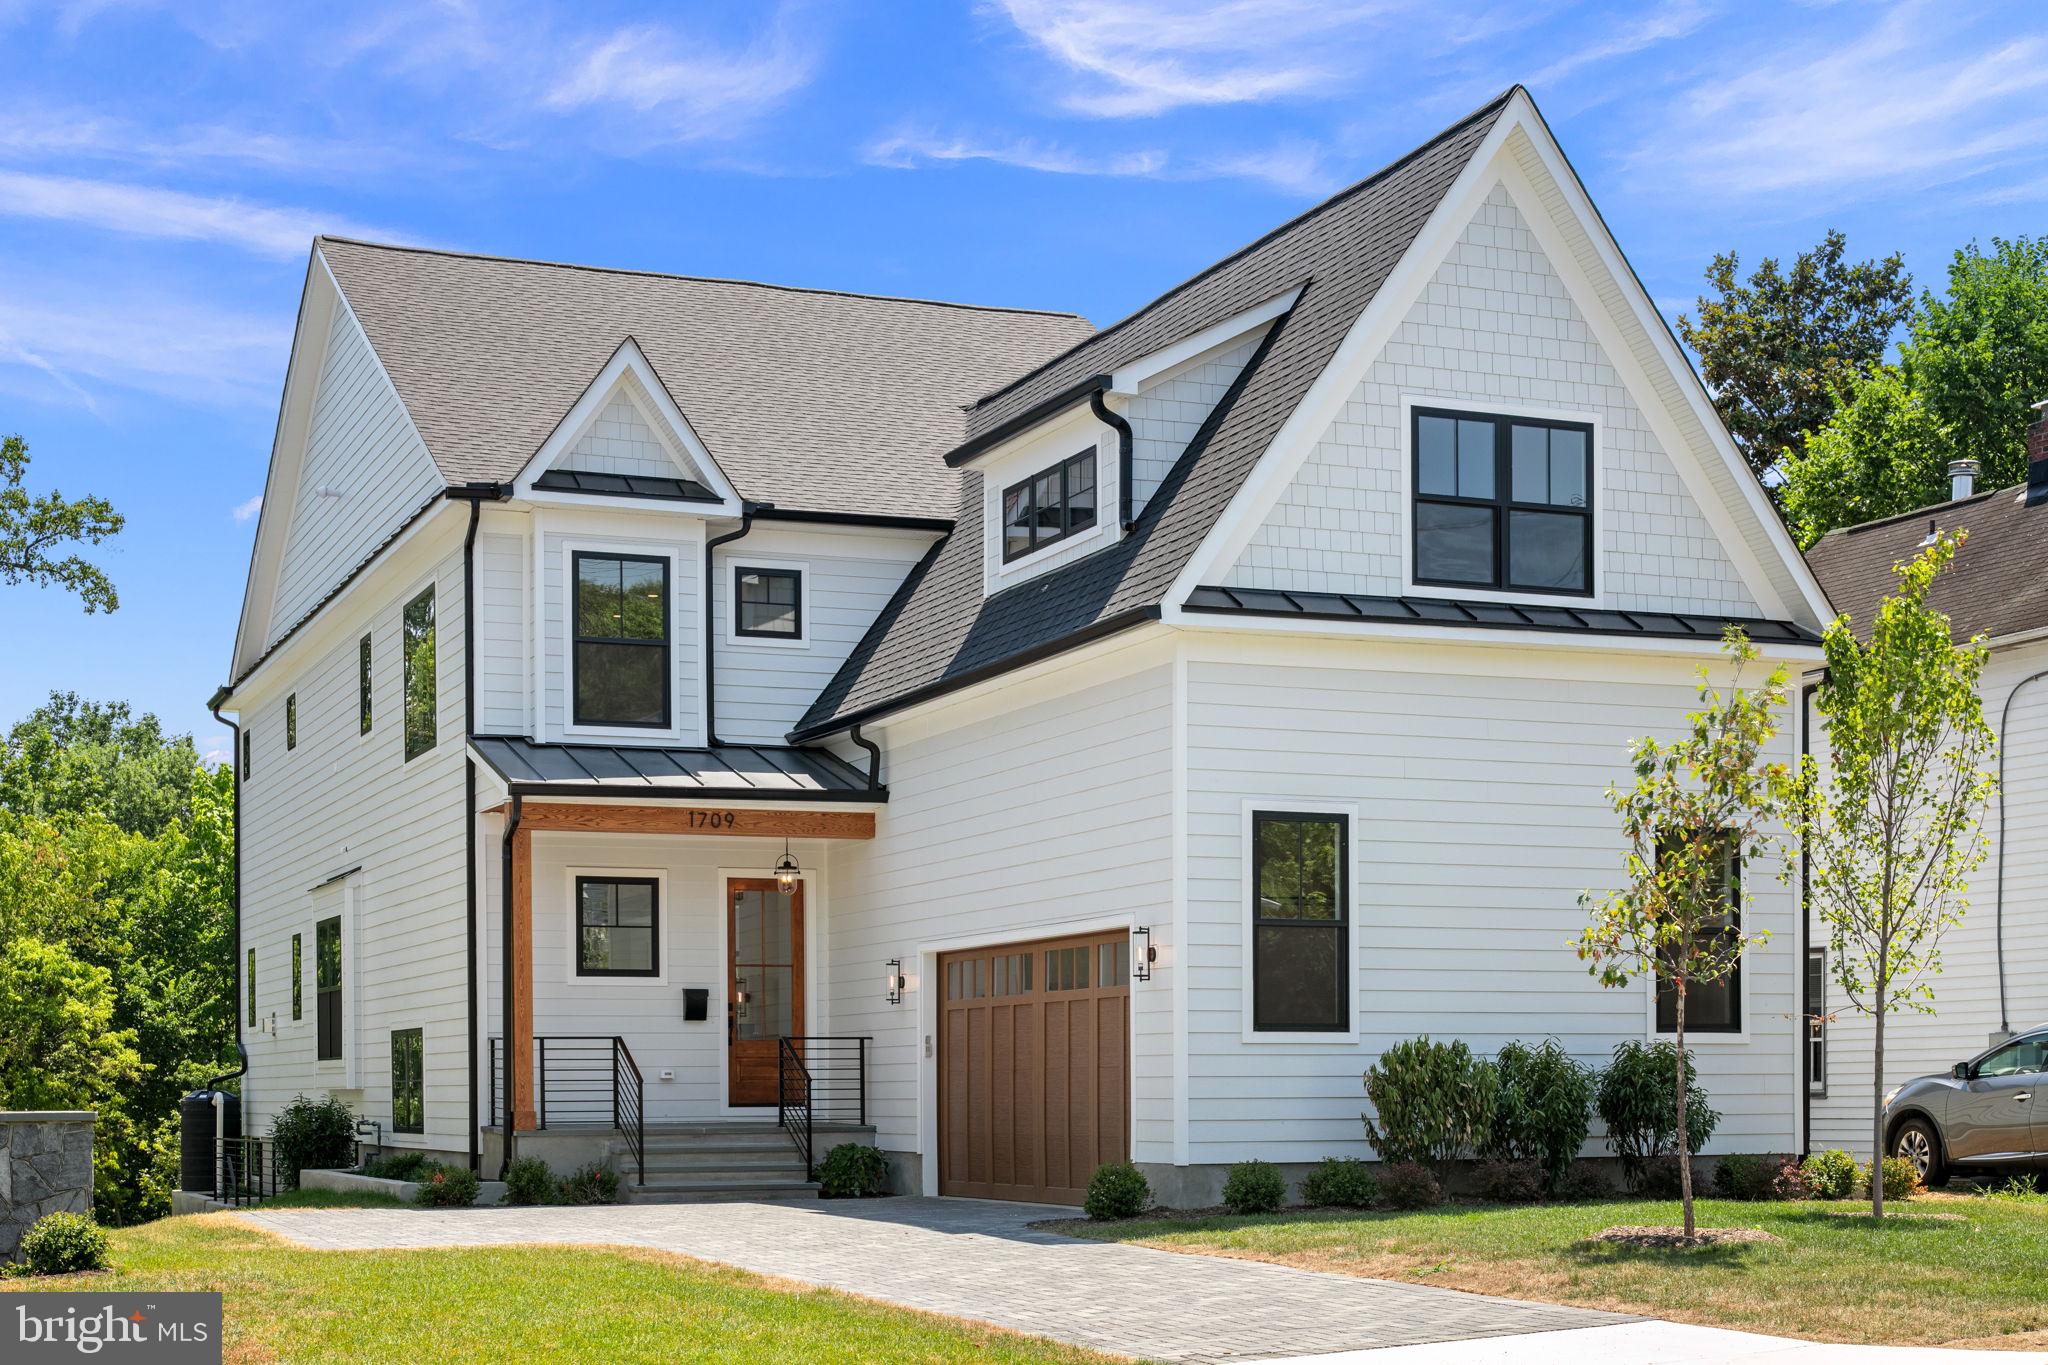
[1915, 1143]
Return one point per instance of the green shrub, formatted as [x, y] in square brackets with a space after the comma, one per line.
[1544, 1108]
[1432, 1102]
[1657, 1178]
[312, 1135]
[592, 1184]
[529, 1181]
[1742, 1176]
[1830, 1174]
[1510, 1182]
[1901, 1181]
[63, 1244]
[1341, 1182]
[1634, 1098]
[853, 1170]
[1254, 1187]
[446, 1187]
[1410, 1185]
[396, 1165]
[1117, 1190]
[1790, 1182]
[1583, 1180]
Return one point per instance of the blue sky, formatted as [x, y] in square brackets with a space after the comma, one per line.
[163, 167]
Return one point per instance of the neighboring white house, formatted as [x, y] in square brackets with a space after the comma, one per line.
[1152, 723]
[1994, 977]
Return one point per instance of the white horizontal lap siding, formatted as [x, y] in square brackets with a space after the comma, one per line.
[343, 800]
[849, 574]
[686, 639]
[1966, 992]
[501, 648]
[361, 449]
[1169, 410]
[1495, 328]
[1479, 816]
[1053, 813]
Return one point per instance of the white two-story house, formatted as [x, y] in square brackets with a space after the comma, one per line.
[1036, 745]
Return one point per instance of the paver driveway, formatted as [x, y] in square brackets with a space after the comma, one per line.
[969, 1259]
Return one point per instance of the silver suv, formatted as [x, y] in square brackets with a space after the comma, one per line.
[1990, 1112]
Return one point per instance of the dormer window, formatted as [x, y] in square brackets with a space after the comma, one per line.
[622, 641]
[1049, 506]
[1503, 503]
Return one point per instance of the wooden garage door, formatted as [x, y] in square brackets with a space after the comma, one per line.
[1034, 1067]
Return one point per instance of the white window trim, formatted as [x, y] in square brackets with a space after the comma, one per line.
[678, 631]
[1072, 435]
[1249, 1034]
[1405, 485]
[731, 575]
[572, 961]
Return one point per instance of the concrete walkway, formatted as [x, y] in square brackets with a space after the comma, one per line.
[1648, 1342]
[969, 1259]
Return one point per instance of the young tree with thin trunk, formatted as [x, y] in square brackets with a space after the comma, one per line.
[1701, 804]
[1890, 820]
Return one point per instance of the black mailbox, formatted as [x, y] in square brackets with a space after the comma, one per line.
[696, 1003]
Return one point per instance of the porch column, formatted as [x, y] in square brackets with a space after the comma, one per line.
[519, 981]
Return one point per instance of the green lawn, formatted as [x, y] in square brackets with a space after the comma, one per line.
[1972, 1275]
[522, 1303]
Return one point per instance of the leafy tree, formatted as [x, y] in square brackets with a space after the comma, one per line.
[1775, 349]
[72, 755]
[34, 529]
[1890, 820]
[1971, 366]
[1699, 802]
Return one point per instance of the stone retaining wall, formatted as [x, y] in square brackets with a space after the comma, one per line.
[45, 1167]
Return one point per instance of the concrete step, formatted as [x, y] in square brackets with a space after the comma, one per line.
[750, 1188]
[724, 1161]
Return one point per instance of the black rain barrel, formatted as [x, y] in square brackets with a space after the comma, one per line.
[195, 1136]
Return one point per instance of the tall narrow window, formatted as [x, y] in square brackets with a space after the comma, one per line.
[408, 1081]
[770, 603]
[1710, 1007]
[422, 695]
[622, 653]
[1817, 1021]
[252, 988]
[1503, 502]
[1049, 506]
[247, 737]
[363, 685]
[1300, 929]
[327, 988]
[617, 933]
[298, 978]
[291, 721]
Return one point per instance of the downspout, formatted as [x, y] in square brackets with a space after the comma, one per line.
[748, 511]
[235, 892]
[1124, 442]
[476, 494]
[1998, 918]
[874, 756]
[1806, 1000]
[505, 962]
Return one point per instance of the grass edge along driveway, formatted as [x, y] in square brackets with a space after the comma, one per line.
[522, 1303]
[1953, 1269]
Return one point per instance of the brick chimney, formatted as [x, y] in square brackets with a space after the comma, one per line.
[2037, 456]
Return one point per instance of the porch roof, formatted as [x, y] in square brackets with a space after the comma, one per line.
[727, 772]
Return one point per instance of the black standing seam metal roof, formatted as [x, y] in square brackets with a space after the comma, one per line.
[737, 772]
[1441, 611]
[624, 485]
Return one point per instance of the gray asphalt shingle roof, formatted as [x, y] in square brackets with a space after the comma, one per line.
[940, 631]
[812, 400]
[1997, 583]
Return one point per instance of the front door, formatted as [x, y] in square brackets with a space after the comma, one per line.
[765, 991]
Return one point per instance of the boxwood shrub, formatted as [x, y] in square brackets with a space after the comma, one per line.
[1254, 1187]
[63, 1244]
[1117, 1190]
[1341, 1182]
[853, 1170]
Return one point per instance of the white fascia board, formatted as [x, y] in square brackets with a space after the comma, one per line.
[630, 359]
[1475, 636]
[1129, 378]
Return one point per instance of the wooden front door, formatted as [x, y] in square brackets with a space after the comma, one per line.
[765, 990]
[1034, 1067]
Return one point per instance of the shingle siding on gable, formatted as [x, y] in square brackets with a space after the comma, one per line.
[361, 445]
[1166, 413]
[1495, 325]
[621, 442]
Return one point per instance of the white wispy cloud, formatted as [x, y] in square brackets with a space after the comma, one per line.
[1672, 19]
[247, 511]
[1295, 167]
[79, 342]
[151, 211]
[695, 89]
[1141, 57]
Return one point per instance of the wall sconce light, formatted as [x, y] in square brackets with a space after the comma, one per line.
[786, 871]
[1142, 960]
[894, 981]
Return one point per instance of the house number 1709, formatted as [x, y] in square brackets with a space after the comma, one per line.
[713, 819]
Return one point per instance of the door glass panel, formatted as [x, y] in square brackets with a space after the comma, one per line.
[763, 960]
[766, 1013]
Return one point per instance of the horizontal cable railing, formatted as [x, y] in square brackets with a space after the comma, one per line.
[244, 1170]
[580, 1081]
[820, 1080]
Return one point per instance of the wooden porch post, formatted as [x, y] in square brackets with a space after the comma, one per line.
[519, 981]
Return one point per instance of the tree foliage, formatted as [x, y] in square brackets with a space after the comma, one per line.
[1890, 820]
[1698, 802]
[35, 530]
[1776, 348]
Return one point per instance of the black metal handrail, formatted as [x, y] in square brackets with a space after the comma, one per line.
[244, 1170]
[582, 1081]
[628, 1110]
[820, 1079]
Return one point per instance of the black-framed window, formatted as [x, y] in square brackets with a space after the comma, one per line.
[1817, 1021]
[252, 987]
[1049, 506]
[771, 603]
[408, 1081]
[248, 743]
[291, 722]
[618, 926]
[327, 988]
[622, 651]
[1716, 1006]
[422, 690]
[1301, 980]
[363, 685]
[298, 977]
[1503, 502]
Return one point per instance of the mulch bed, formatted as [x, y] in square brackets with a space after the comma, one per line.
[1674, 1239]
